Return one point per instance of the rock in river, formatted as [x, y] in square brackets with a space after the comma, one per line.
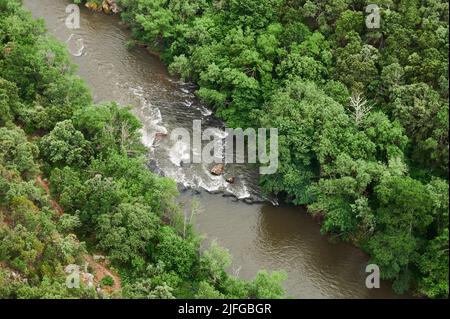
[217, 169]
[93, 6]
[231, 179]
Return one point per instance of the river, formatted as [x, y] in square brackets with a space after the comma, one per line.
[258, 234]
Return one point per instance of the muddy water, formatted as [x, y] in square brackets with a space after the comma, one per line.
[258, 235]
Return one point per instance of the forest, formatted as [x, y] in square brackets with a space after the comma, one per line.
[73, 183]
[362, 115]
[362, 112]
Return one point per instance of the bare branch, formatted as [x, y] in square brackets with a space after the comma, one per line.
[359, 107]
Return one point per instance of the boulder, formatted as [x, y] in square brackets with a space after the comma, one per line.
[160, 135]
[112, 6]
[231, 179]
[217, 169]
[106, 7]
[98, 257]
[93, 6]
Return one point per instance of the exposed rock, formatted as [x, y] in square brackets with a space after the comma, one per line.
[98, 257]
[231, 179]
[88, 279]
[228, 194]
[17, 277]
[113, 6]
[181, 188]
[214, 192]
[218, 169]
[152, 164]
[93, 6]
[100, 293]
[106, 7]
[160, 135]
[249, 200]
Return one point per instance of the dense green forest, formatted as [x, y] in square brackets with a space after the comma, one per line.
[362, 113]
[363, 121]
[73, 183]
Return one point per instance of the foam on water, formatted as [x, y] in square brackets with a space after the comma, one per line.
[179, 153]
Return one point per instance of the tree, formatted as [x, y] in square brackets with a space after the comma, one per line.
[110, 127]
[64, 145]
[266, 286]
[403, 216]
[434, 267]
[356, 63]
[9, 101]
[17, 153]
[314, 129]
[176, 254]
[125, 233]
[424, 115]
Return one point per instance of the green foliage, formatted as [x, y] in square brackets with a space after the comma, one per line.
[8, 101]
[363, 122]
[16, 153]
[107, 281]
[434, 266]
[64, 145]
[108, 127]
[127, 232]
[267, 286]
[175, 253]
[425, 116]
[40, 70]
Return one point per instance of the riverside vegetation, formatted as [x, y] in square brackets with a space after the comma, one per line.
[73, 183]
[362, 113]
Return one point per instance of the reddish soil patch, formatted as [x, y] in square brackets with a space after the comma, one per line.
[100, 271]
[44, 185]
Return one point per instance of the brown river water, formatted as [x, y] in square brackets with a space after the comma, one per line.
[258, 234]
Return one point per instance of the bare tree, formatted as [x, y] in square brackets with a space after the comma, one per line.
[359, 107]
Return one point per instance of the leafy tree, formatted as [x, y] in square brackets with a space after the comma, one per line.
[403, 216]
[434, 266]
[108, 127]
[16, 152]
[126, 232]
[9, 101]
[64, 145]
[266, 286]
[175, 253]
[425, 117]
